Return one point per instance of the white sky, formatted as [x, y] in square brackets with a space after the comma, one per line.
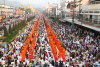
[37, 2]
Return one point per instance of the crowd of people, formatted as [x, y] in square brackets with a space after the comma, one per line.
[82, 47]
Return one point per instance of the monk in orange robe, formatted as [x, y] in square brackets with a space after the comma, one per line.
[30, 54]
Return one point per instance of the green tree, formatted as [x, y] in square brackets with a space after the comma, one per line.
[21, 24]
[10, 30]
[28, 10]
[15, 26]
[5, 31]
[21, 8]
[13, 29]
[18, 25]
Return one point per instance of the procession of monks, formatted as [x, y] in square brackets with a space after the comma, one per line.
[57, 50]
[32, 38]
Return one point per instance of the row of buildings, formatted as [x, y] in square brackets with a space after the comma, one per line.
[8, 11]
[84, 10]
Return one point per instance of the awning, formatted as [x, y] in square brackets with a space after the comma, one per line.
[68, 19]
[82, 24]
[62, 20]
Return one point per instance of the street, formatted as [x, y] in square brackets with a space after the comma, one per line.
[49, 33]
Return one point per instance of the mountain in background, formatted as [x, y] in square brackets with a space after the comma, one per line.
[11, 3]
[17, 4]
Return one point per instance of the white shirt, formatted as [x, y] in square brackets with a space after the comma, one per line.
[27, 62]
[87, 41]
[77, 42]
[21, 44]
[19, 57]
[88, 37]
[18, 61]
[49, 59]
[96, 62]
[13, 64]
[66, 65]
[3, 62]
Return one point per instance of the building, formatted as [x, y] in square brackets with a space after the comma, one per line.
[53, 10]
[49, 9]
[89, 11]
[5, 11]
[65, 6]
[56, 11]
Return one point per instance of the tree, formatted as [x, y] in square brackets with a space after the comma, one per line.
[15, 26]
[13, 29]
[10, 30]
[28, 10]
[21, 24]
[18, 25]
[5, 31]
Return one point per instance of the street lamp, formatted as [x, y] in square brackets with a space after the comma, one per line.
[79, 8]
[73, 18]
[73, 13]
[4, 3]
[25, 12]
[57, 10]
[4, 7]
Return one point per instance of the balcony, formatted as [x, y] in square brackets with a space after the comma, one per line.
[91, 7]
[93, 0]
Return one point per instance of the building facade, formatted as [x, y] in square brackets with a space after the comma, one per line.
[65, 6]
[89, 11]
[49, 9]
[5, 11]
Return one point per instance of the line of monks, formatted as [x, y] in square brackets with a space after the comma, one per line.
[57, 50]
[30, 42]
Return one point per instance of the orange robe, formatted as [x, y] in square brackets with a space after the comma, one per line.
[30, 55]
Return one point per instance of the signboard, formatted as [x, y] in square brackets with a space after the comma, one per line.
[19, 32]
[94, 6]
[6, 14]
[67, 10]
[3, 16]
[0, 18]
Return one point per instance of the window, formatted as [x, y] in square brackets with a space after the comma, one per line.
[68, 6]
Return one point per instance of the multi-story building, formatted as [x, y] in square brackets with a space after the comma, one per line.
[56, 11]
[65, 6]
[49, 9]
[5, 11]
[89, 11]
[53, 10]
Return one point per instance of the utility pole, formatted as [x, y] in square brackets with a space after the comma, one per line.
[57, 11]
[79, 8]
[1, 9]
[73, 17]
[4, 8]
[74, 13]
[25, 12]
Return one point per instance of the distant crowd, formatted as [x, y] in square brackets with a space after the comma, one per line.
[82, 47]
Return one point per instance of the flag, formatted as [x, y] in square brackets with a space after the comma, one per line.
[48, 3]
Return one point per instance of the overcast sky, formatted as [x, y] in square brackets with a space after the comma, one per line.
[37, 2]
